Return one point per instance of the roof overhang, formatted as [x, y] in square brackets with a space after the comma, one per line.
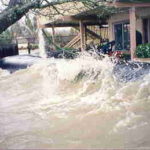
[133, 1]
[88, 18]
[70, 24]
[130, 3]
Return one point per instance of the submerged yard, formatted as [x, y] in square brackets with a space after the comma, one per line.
[51, 106]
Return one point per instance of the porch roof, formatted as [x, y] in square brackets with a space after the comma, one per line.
[65, 23]
[133, 1]
[97, 16]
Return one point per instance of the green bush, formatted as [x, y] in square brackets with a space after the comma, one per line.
[34, 46]
[5, 37]
[125, 56]
[67, 49]
[143, 51]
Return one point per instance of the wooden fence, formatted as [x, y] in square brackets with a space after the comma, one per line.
[8, 50]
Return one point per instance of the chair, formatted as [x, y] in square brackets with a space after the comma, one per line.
[106, 48]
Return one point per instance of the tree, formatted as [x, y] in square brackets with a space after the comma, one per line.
[14, 2]
[16, 9]
[6, 37]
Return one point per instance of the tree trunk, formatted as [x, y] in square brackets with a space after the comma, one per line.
[11, 15]
[16, 11]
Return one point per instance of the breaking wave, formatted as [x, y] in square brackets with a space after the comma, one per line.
[77, 103]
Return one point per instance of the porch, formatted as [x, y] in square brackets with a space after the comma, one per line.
[129, 32]
[91, 28]
[133, 29]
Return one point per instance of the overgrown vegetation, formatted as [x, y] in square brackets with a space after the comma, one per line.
[125, 56]
[143, 51]
[6, 37]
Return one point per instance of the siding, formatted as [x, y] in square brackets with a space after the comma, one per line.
[140, 12]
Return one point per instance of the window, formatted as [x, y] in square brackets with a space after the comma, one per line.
[122, 36]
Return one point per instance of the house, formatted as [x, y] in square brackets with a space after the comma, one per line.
[86, 22]
[130, 27]
[127, 21]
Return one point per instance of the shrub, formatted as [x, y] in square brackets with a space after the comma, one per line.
[125, 56]
[143, 51]
[34, 46]
[5, 38]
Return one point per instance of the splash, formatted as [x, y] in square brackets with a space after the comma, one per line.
[76, 103]
[42, 44]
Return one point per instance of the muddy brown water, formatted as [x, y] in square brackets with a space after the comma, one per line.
[73, 104]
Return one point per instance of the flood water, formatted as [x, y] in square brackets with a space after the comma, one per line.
[76, 103]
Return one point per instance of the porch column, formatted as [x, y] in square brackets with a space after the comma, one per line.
[82, 36]
[53, 37]
[132, 14]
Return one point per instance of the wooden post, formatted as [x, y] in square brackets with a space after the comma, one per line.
[53, 37]
[82, 36]
[132, 14]
[86, 36]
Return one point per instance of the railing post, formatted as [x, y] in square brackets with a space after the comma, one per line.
[53, 37]
[132, 14]
[82, 36]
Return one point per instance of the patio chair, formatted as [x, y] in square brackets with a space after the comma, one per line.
[106, 48]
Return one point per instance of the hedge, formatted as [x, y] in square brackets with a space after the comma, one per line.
[143, 51]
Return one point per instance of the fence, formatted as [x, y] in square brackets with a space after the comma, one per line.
[8, 50]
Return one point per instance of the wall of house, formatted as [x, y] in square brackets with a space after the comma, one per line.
[116, 19]
[140, 13]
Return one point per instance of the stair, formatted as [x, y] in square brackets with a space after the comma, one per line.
[92, 33]
[73, 42]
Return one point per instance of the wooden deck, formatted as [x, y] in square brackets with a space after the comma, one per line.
[146, 60]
